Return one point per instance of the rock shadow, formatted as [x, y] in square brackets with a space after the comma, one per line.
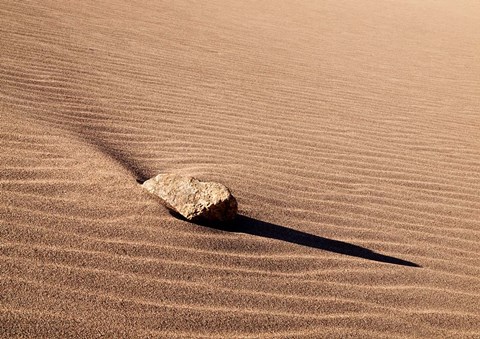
[247, 225]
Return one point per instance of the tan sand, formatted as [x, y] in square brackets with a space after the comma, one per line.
[349, 131]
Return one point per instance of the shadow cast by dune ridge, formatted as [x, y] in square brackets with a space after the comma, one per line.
[247, 225]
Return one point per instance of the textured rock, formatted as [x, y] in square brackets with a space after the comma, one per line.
[194, 199]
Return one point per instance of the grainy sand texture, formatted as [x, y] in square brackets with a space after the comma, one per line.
[348, 131]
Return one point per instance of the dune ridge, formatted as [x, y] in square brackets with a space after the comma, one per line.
[348, 131]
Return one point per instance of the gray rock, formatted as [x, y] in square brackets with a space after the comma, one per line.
[194, 199]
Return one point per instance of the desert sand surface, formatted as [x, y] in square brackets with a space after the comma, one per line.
[349, 132]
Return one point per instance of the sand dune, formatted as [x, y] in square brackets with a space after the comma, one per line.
[348, 131]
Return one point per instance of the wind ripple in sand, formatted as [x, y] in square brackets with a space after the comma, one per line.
[349, 134]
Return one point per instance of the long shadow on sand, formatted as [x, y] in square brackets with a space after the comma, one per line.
[244, 224]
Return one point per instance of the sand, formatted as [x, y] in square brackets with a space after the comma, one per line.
[349, 131]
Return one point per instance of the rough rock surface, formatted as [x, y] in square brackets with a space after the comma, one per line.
[194, 199]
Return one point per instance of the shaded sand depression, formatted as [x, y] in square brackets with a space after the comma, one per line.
[348, 131]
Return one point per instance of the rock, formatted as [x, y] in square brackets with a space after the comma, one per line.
[194, 199]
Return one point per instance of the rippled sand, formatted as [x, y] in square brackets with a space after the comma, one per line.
[349, 131]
